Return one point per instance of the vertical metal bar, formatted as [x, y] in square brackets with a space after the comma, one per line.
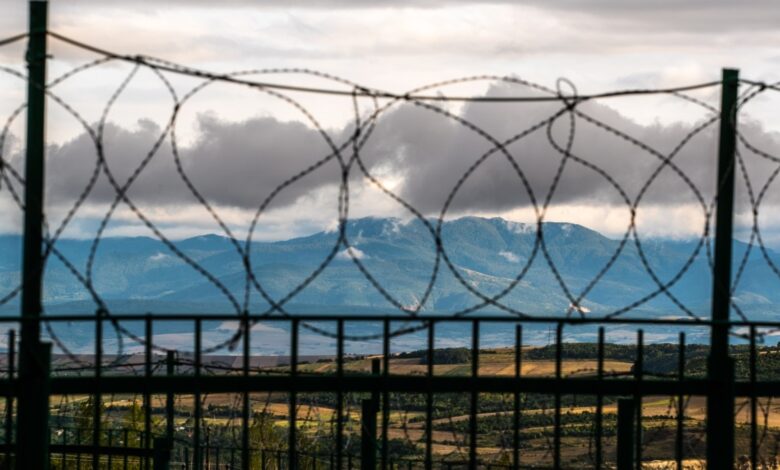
[369, 409]
[474, 395]
[32, 269]
[126, 444]
[557, 416]
[162, 454]
[753, 402]
[33, 425]
[170, 363]
[208, 448]
[196, 451]
[625, 434]
[64, 441]
[339, 393]
[720, 401]
[9, 399]
[293, 417]
[368, 434]
[678, 441]
[147, 397]
[638, 374]
[385, 393]
[78, 452]
[599, 399]
[96, 397]
[245, 409]
[429, 401]
[376, 369]
[110, 442]
[516, 410]
[232, 458]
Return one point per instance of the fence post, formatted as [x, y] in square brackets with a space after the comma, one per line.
[9, 399]
[720, 401]
[368, 425]
[34, 356]
[162, 453]
[170, 361]
[208, 448]
[292, 442]
[625, 433]
[368, 435]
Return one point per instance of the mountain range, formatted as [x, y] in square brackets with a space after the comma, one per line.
[141, 274]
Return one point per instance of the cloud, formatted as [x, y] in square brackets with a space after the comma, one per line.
[231, 164]
[509, 256]
[236, 165]
[325, 29]
[699, 15]
[434, 153]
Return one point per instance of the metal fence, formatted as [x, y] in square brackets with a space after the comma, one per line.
[369, 401]
[362, 391]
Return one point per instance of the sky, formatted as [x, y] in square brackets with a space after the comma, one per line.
[235, 144]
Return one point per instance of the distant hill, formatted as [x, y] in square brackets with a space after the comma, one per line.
[141, 274]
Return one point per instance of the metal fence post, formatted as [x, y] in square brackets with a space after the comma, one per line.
[162, 453]
[292, 436]
[625, 433]
[368, 435]
[369, 409]
[9, 399]
[720, 401]
[34, 357]
[170, 361]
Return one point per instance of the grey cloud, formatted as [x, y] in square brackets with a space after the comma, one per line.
[433, 154]
[714, 17]
[700, 15]
[590, 26]
[239, 164]
[231, 164]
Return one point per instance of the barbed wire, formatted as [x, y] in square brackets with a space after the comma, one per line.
[368, 107]
[353, 145]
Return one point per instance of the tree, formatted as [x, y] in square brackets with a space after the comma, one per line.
[267, 439]
[134, 422]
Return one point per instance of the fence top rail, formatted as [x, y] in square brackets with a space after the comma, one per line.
[430, 318]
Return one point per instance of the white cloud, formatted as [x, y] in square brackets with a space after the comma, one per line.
[509, 256]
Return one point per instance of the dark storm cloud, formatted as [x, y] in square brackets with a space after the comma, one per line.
[232, 164]
[240, 164]
[434, 153]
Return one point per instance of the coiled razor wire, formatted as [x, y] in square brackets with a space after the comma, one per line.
[347, 154]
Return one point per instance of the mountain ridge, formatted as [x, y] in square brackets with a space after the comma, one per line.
[486, 254]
